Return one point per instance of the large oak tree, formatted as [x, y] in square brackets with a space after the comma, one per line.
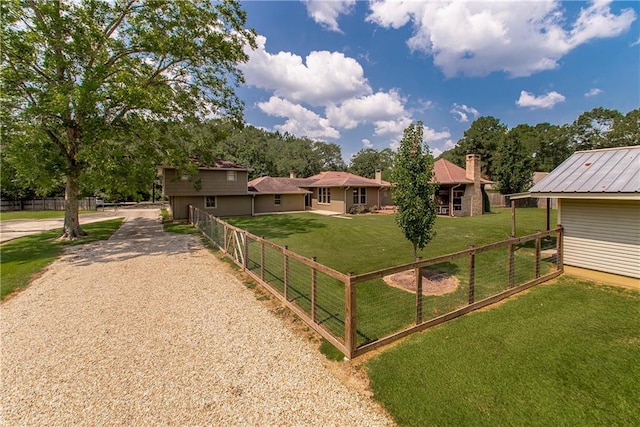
[89, 85]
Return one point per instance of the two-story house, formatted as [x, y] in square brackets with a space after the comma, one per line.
[219, 188]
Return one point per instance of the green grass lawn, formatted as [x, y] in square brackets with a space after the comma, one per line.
[5, 216]
[567, 353]
[21, 259]
[366, 243]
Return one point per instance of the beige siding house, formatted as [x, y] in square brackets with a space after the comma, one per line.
[220, 189]
[461, 190]
[329, 191]
[598, 196]
[273, 195]
[340, 191]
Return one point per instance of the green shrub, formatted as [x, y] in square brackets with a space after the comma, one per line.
[165, 216]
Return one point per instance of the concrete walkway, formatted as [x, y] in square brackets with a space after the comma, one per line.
[14, 228]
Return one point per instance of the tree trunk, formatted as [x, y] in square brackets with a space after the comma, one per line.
[71, 229]
[415, 252]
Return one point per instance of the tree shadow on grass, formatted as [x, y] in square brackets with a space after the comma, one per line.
[277, 226]
[137, 237]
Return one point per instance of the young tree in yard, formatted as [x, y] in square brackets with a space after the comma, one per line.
[89, 86]
[414, 193]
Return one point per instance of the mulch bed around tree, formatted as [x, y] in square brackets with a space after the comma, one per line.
[433, 282]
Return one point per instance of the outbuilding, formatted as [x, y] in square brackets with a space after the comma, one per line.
[598, 195]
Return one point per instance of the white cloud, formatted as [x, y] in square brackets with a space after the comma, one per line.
[636, 43]
[393, 128]
[463, 111]
[478, 37]
[371, 108]
[597, 21]
[435, 152]
[593, 92]
[300, 121]
[326, 12]
[366, 143]
[322, 78]
[430, 135]
[547, 100]
[449, 144]
[423, 105]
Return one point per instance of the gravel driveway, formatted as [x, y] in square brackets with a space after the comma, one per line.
[149, 328]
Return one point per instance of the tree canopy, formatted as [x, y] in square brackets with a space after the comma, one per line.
[91, 88]
[366, 161]
[514, 162]
[483, 137]
[509, 155]
[413, 192]
[266, 153]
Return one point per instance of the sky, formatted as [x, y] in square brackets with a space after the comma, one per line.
[357, 73]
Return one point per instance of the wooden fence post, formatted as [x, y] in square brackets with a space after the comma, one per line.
[512, 267]
[286, 273]
[262, 259]
[513, 218]
[314, 284]
[226, 239]
[246, 251]
[559, 249]
[418, 277]
[350, 341]
[472, 275]
[538, 257]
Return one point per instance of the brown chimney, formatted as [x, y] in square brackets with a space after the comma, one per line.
[378, 176]
[292, 174]
[473, 167]
[473, 174]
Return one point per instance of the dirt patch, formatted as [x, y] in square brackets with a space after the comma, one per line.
[433, 282]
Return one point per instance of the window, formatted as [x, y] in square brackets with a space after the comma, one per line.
[324, 195]
[210, 202]
[276, 199]
[457, 199]
[232, 176]
[360, 196]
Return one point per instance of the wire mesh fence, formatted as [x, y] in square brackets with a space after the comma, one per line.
[396, 301]
[359, 313]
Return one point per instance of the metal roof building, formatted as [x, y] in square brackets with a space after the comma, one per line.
[608, 173]
[598, 196]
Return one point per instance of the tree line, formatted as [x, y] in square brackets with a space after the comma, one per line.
[510, 156]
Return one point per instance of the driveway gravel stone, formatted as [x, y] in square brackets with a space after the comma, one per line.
[150, 328]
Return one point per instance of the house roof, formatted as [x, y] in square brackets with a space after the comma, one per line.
[342, 179]
[269, 185]
[215, 165]
[446, 172]
[220, 164]
[605, 173]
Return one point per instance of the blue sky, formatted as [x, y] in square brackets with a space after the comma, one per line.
[357, 73]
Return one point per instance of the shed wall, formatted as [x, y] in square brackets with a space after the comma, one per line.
[602, 235]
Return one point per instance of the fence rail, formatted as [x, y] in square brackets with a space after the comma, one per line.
[358, 313]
